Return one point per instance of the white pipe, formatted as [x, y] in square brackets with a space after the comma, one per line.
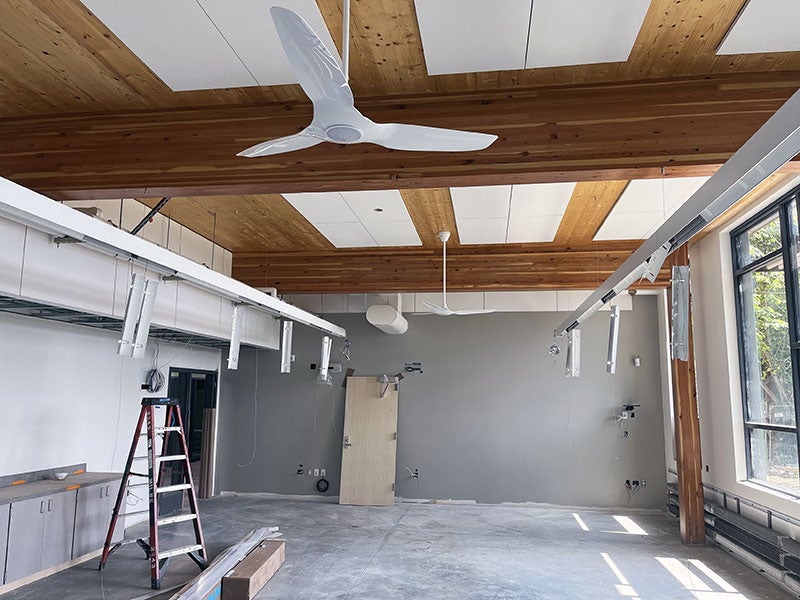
[346, 40]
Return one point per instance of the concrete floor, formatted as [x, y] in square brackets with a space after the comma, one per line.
[435, 551]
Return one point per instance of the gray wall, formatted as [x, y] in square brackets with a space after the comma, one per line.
[492, 417]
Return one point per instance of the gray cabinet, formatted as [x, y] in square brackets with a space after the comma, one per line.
[39, 534]
[92, 517]
[25, 532]
[4, 512]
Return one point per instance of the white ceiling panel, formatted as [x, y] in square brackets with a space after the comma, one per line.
[657, 195]
[481, 202]
[190, 56]
[764, 26]
[582, 32]
[482, 231]
[628, 225]
[322, 207]
[248, 28]
[207, 44]
[365, 205]
[467, 36]
[540, 199]
[393, 233]
[532, 229]
[346, 235]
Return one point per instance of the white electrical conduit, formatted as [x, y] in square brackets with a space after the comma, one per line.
[772, 146]
[34, 210]
[346, 40]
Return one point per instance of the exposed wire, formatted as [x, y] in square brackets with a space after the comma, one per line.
[345, 350]
[255, 418]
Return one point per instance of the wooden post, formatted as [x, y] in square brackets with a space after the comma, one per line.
[687, 433]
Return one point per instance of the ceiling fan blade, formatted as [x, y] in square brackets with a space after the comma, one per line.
[317, 71]
[400, 136]
[442, 311]
[290, 143]
[483, 311]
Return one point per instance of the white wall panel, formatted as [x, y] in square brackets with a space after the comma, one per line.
[67, 275]
[198, 311]
[196, 247]
[334, 303]
[534, 301]
[12, 243]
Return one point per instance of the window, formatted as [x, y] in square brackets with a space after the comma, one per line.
[767, 309]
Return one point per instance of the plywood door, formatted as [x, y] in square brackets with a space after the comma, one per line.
[370, 443]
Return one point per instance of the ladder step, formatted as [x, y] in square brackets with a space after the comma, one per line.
[161, 429]
[170, 458]
[145, 484]
[181, 550]
[143, 457]
[176, 519]
[173, 488]
[135, 512]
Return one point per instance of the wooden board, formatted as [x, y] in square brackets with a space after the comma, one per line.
[370, 429]
[496, 267]
[58, 57]
[253, 573]
[573, 133]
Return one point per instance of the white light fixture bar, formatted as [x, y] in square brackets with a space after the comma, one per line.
[34, 210]
[324, 377]
[236, 337]
[613, 340]
[146, 315]
[772, 146]
[573, 353]
[133, 309]
[286, 347]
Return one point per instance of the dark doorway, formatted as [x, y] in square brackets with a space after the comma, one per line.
[196, 392]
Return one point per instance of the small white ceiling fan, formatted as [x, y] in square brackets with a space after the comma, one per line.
[336, 118]
[444, 310]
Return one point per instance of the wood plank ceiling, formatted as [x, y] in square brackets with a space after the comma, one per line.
[82, 117]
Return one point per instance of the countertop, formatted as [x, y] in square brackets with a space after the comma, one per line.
[46, 487]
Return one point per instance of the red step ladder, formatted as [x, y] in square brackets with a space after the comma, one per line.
[173, 426]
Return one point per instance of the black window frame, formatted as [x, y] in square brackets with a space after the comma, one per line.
[788, 252]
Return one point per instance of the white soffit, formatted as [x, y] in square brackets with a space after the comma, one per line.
[764, 26]
[645, 204]
[467, 36]
[358, 219]
[207, 44]
[510, 213]
[581, 32]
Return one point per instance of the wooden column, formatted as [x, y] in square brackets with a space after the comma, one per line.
[687, 433]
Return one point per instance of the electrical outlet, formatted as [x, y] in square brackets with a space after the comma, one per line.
[322, 472]
[644, 483]
[316, 472]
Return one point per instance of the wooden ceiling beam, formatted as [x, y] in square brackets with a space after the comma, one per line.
[588, 207]
[477, 268]
[675, 127]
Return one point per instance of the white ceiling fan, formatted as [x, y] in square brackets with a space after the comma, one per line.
[444, 310]
[336, 118]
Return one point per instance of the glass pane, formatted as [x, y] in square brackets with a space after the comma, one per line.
[794, 252]
[759, 241]
[765, 344]
[773, 457]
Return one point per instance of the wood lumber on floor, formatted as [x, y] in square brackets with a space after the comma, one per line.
[253, 573]
[208, 584]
